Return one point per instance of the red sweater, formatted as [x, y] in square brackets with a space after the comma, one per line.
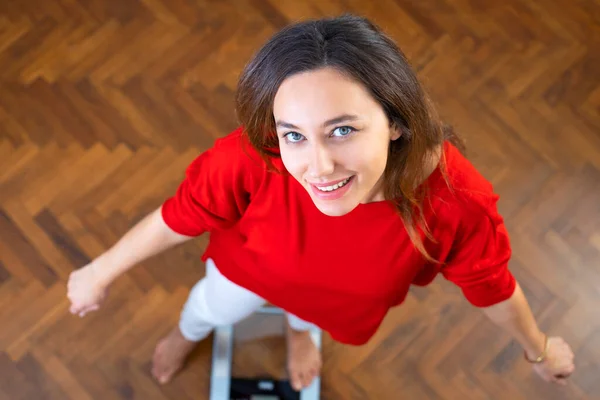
[341, 273]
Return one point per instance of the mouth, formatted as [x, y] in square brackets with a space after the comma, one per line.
[333, 190]
[336, 186]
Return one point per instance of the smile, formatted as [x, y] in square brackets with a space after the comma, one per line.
[334, 187]
[333, 190]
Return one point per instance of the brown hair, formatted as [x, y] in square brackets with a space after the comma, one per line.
[358, 48]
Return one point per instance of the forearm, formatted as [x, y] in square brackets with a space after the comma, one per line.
[147, 238]
[515, 316]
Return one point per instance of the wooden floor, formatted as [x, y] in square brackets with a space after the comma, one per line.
[104, 102]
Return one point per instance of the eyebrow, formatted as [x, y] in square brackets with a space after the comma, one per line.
[336, 120]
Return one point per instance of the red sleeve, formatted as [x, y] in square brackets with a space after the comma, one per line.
[478, 264]
[215, 191]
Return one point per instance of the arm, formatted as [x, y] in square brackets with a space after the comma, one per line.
[88, 286]
[147, 238]
[479, 266]
[213, 195]
[516, 318]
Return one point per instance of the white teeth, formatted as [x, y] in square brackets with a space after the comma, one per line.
[334, 187]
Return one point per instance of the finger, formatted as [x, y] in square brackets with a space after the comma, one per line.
[565, 355]
[565, 349]
[566, 369]
[84, 312]
[88, 309]
[557, 379]
[563, 375]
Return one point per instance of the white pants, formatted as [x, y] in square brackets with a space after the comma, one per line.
[215, 300]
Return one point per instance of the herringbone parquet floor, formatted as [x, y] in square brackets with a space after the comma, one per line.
[104, 102]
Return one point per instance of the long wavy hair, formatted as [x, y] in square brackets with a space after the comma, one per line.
[359, 49]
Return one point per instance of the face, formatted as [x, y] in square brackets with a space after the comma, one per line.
[333, 139]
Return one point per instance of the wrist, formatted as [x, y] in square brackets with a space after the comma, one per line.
[535, 346]
[106, 268]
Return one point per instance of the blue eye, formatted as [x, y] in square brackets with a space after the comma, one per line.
[293, 137]
[343, 131]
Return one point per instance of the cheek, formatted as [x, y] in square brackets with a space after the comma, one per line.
[292, 161]
[366, 159]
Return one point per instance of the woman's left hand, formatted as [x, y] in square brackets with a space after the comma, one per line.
[558, 364]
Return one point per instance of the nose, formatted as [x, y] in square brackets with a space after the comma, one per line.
[321, 162]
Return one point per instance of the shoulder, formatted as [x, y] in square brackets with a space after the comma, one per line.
[232, 160]
[467, 195]
[233, 149]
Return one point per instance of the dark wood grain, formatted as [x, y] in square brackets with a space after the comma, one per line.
[103, 104]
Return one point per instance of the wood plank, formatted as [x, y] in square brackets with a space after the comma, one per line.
[104, 104]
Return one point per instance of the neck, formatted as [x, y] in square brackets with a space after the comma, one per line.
[432, 162]
[376, 194]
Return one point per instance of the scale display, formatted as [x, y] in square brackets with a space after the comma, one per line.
[249, 360]
[262, 389]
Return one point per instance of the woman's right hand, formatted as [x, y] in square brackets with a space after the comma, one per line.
[86, 289]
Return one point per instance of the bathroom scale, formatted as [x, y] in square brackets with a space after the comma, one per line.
[228, 383]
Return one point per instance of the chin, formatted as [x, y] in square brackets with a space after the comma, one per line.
[334, 210]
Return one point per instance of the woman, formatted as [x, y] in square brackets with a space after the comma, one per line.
[340, 189]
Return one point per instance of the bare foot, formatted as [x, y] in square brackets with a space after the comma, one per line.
[304, 358]
[169, 355]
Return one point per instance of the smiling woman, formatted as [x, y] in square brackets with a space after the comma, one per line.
[339, 160]
[310, 78]
[337, 143]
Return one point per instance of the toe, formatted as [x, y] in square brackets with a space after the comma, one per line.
[155, 373]
[164, 378]
[297, 382]
[311, 378]
[162, 375]
[306, 381]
